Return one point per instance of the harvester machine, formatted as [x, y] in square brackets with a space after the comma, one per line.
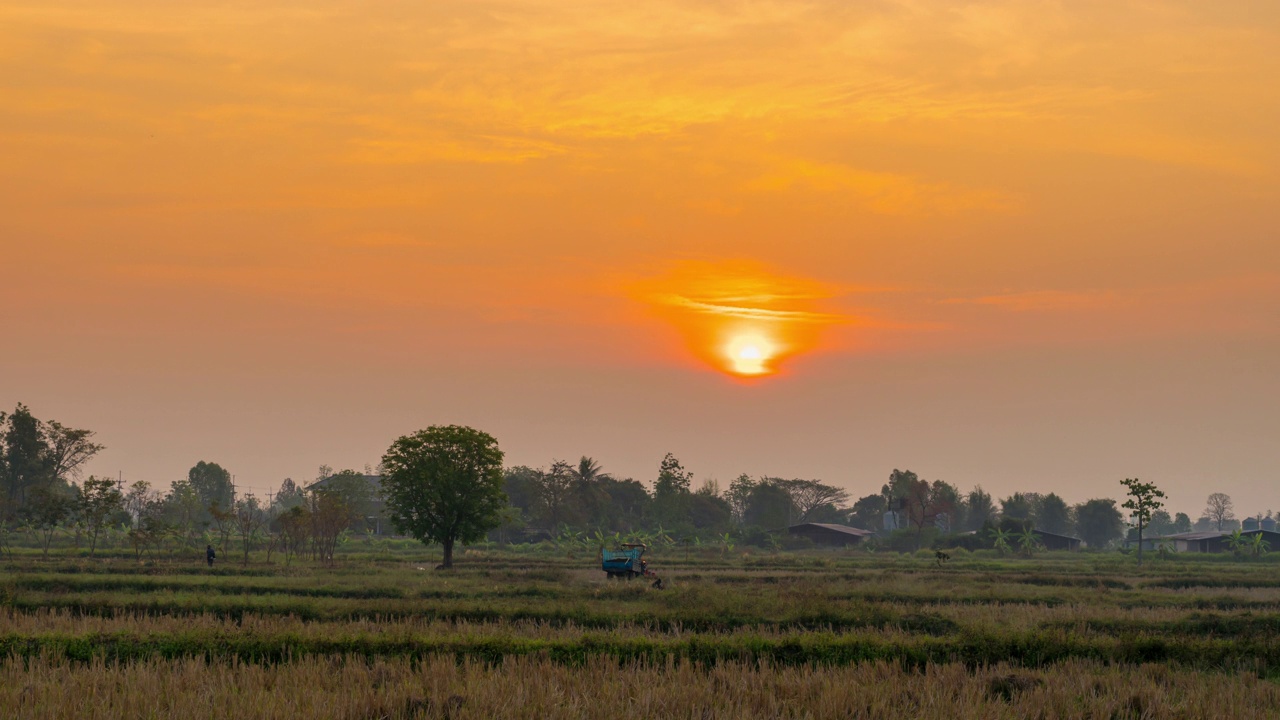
[628, 562]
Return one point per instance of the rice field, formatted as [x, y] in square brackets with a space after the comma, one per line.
[543, 634]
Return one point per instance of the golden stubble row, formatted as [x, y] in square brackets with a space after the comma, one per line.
[979, 618]
[536, 689]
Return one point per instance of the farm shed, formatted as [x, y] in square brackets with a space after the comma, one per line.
[830, 534]
[1208, 542]
[1183, 542]
[1054, 541]
[1220, 544]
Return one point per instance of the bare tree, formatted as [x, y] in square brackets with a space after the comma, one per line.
[924, 503]
[225, 522]
[329, 516]
[1220, 509]
[249, 519]
[150, 528]
[295, 529]
[139, 497]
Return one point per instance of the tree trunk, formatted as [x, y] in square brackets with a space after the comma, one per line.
[1139, 544]
[448, 554]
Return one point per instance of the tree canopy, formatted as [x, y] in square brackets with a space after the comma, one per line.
[212, 483]
[1099, 522]
[35, 454]
[1144, 499]
[444, 485]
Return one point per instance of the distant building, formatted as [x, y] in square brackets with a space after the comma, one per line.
[1207, 542]
[830, 534]
[1220, 544]
[1054, 541]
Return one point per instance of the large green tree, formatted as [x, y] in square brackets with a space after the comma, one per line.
[554, 496]
[980, 507]
[1051, 514]
[37, 454]
[444, 485]
[768, 507]
[1182, 523]
[868, 512]
[627, 507]
[1099, 522]
[24, 454]
[1018, 506]
[213, 484]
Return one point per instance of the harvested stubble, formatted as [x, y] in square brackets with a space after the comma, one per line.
[535, 688]
[274, 639]
[530, 637]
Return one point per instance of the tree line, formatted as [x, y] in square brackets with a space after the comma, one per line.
[41, 462]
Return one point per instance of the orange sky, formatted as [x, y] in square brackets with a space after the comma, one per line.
[1031, 245]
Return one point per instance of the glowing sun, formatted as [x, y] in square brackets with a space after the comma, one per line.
[739, 317]
[750, 355]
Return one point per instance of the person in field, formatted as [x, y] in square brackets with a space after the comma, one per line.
[209, 554]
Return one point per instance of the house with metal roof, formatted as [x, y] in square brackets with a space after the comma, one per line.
[830, 533]
[1213, 541]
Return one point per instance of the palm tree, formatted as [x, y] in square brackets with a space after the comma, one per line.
[589, 470]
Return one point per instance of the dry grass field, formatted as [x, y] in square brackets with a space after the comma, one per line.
[544, 635]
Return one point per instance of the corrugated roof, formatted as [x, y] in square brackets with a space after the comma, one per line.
[1200, 535]
[1057, 535]
[836, 528]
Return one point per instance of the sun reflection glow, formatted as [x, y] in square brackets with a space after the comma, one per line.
[739, 317]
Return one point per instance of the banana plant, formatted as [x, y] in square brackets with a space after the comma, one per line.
[1028, 542]
[1258, 545]
[1000, 540]
[726, 544]
[1236, 541]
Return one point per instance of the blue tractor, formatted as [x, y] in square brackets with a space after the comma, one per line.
[628, 562]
